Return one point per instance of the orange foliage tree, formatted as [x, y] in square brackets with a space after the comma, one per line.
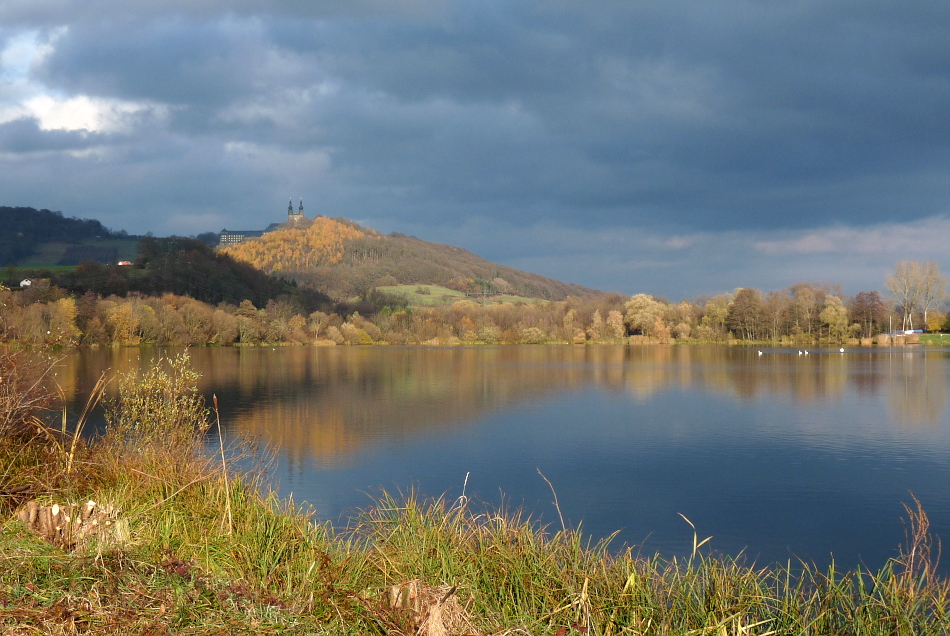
[297, 249]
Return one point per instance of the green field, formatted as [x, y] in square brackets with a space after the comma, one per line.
[14, 272]
[48, 254]
[935, 339]
[430, 295]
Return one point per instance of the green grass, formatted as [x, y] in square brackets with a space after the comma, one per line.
[424, 295]
[511, 299]
[23, 271]
[209, 551]
[935, 339]
[47, 254]
[429, 295]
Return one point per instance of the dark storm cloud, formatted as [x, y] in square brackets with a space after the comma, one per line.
[56, 12]
[769, 119]
[171, 62]
[558, 120]
[23, 136]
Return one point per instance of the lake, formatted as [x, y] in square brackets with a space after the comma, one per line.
[775, 456]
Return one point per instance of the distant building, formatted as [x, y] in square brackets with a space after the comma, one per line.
[233, 237]
[294, 220]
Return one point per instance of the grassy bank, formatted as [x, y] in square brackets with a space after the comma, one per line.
[187, 544]
[935, 339]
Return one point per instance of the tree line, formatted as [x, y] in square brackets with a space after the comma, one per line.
[805, 313]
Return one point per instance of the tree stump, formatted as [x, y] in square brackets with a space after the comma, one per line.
[71, 527]
[429, 610]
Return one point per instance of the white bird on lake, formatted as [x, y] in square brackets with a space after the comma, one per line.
[806, 352]
[799, 352]
[760, 353]
[841, 350]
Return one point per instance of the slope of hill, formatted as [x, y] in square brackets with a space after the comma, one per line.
[191, 267]
[342, 259]
[26, 230]
[176, 265]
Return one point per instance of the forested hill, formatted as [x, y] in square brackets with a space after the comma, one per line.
[24, 228]
[343, 259]
[180, 266]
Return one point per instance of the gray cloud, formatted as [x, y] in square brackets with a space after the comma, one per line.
[724, 119]
[23, 136]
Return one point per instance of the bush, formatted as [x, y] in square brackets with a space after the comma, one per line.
[159, 411]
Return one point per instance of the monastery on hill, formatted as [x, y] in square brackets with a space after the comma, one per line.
[295, 220]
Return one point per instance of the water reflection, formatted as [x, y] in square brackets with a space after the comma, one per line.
[779, 455]
[327, 403]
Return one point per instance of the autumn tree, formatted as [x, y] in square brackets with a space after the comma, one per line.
[682, 317]
[933, 288]
[715, 313]
[869, 311]
[596, 330]
[615, 327]
[835, 316]
[806, 301]
[644, 314]
[745, 314]
[323, 243]
[776, 311]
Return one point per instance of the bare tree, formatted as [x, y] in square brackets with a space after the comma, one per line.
[916, 287]
[904, 283]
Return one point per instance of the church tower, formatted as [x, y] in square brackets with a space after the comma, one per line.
[296, 219]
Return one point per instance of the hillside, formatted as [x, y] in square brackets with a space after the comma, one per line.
[176, 265]
[335, 257]
[34, 237]
[342, 259]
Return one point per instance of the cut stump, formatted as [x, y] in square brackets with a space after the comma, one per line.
[71, 527]
[429, 610]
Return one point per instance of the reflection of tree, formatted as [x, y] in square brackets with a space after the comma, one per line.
[326, 403]
[917, 388]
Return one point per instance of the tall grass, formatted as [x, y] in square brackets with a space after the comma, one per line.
[209, 551]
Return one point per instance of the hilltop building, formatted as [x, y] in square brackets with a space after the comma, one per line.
[295, 220]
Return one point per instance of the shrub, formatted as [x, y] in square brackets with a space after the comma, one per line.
[160, 410]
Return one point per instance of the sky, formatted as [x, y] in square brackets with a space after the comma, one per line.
[672, 148]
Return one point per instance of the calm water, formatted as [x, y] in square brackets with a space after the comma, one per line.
[778, 456]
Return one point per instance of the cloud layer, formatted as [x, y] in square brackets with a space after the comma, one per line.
[675, 148]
